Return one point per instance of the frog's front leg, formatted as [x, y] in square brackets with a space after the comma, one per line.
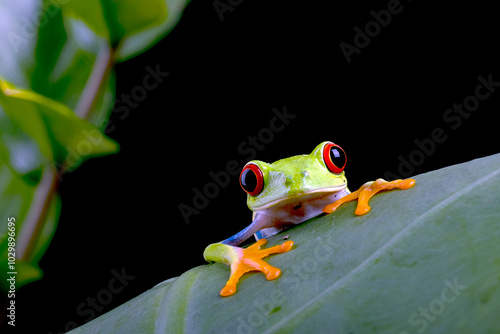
[242, 260]
[366, 192]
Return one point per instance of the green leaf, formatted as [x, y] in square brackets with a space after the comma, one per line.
[129, 26]
[423, 258]
[115, 20]
[127, 17]
[47, 61]
[27, 115]
[18, 40]
[15, 199]
[51, 55]
[142, 40]
[92, 13]
[62, 136]
[49, 229]
[19, 151]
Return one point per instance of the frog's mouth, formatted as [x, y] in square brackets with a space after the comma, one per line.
[295, 202]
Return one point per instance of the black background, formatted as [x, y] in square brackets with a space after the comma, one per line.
[225, 78]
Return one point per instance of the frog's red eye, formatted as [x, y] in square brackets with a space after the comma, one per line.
[252, 179]
[334, 157]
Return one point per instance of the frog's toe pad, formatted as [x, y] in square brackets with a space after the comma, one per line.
[273, 274]
[228, 290]
[361, 210]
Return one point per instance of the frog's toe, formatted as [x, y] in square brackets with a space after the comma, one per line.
[254, 263]
[405, 184]
[286, 246]
[272, 273]
[361, 210]
[369, 189]
[228, 290]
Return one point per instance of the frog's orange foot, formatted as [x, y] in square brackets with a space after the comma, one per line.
[367, 191]
[250, 259]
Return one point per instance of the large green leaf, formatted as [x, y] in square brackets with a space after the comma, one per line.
[423, 258]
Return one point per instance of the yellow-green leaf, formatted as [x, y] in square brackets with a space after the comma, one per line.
[72, 139]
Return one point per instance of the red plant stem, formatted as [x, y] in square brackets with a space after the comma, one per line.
[100, 73]
[37, 213]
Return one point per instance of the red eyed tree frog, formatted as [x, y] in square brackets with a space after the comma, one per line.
[285, 193]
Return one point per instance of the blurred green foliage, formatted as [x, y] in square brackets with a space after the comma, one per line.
[57, 89]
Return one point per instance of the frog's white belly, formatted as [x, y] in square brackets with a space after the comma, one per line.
[297, 210]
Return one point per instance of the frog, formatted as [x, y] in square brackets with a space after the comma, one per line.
[286, 193]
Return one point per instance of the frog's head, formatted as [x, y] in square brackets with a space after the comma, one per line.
[296, 178]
